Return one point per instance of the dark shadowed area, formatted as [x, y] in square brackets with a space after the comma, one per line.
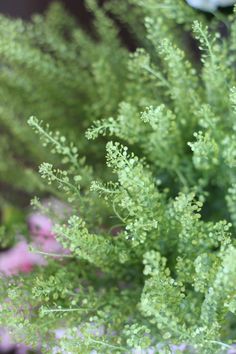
[25, 8]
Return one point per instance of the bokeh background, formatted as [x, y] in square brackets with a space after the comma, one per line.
[24, 8]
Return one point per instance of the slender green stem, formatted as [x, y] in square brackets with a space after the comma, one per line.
[220, 343]
[107, 344]
[52, 254]
[53, 141]
[157, 75]
[67, 310]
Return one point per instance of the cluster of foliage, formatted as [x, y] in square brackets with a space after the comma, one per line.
[53, 68]
[151, 231]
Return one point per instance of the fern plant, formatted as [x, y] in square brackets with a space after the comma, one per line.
[166, 126]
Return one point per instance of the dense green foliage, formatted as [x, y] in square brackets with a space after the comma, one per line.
[166, 124]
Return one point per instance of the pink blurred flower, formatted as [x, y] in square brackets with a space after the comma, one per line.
[19, 259]
[5, 341]
[232, 350]
[41, 226]
[7, 346]
[179, 348]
